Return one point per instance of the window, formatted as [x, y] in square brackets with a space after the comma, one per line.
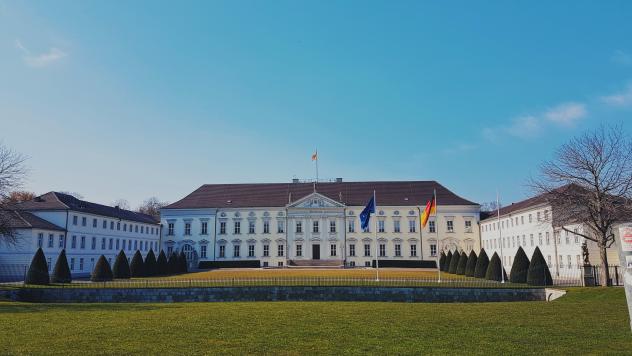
[236, 249]
[135, 228]
[105, 224]
[567, 237]
[280, 250]
[111, 225]
[103, 243]
[204, 228]
[94, 243]
[142, 229]
[118, 226]
[251, 250]
[222, 227]
[94, 223]
[352, 250]
[251, 227]
[48, 263]
[280, 264]
[332, 226]
[547, 238]
[280, 227]
[524, 240]
[332, 250]
[351, 226]
[117, 244]
[299, 250]
[531, 239]
[84, 221]
[299, 227]
[51, 240]
[351, 263]
[561, 261]
[83, 242]
[61, 241]
[579, 261]
[72, 264]
[367, 250]
[266, 250]
[468, 225]
[237, 228]
[169, 250]
[546, 215]
[412, 226]
[81, 264]
[433, 250]
[266, 227]
[187, 228]
[74, 219]
[111, 244]
[568, 260]
[135, 244]
[431, 226]
[124, 227]
[398, 250]
[73, 242]
[380, 226]
[367, 263]
[576, 237]
[540, 239]
[129, 245]
[396, 226]
[530, 218]
[538, 216]
[450, 225]
[315, 227]
[382, 250]
[522, 220]
[222, 251]
[202, 251]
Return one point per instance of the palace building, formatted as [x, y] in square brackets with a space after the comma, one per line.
[317, 224]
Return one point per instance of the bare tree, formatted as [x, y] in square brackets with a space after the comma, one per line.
[489, 206]
[12, 175]
[152, 207]
[122, 204]
[590, 183]
[19, 196]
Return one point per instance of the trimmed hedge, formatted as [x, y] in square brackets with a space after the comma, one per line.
[495, 270]
[121, 268]
[460, 268]
[38, 271]
[442, 261]
[232, 264]
[183, 265]
[454, 262]
[481, 264]
[448, 260]
[471, 264]
[520, 267]
[172, 264]
[539, 274]
[102, 271]
[137, 267]
[150, 264]
[406, 263]
[61, 273]
[161, 264]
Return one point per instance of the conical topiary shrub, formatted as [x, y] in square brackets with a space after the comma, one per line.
[539, 274]
[183, 265]
[454, 262]
[442, 260]
[38, 271]
[460, 268]
[448, 260]
[161, 264]
[61, 272]
[121, 268]
[471, 264]
[102, 271]
[481, 264]
[495, 270]
[172, 264]
[137, 266]
[150, 264]
[520, 267]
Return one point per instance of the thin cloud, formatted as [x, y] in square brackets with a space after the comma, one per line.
[566, 114]
[524, 127]
[458, 148]
[40, 60]
[620, 99]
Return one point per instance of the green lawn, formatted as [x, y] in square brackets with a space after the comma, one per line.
[585, 321]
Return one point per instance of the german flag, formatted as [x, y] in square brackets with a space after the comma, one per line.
[431, 208]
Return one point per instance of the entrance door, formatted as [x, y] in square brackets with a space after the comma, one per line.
[316, 251]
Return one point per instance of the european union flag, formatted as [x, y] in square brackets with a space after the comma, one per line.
[365, 215]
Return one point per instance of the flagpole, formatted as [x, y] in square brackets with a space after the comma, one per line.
[437, 232]
[500, 236]
[377, 254]
[317, 165]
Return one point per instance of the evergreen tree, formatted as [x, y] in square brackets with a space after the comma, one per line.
[481, 264]
[520, 267]
[471, 264]
[121, 268]
[460, 268]
[61, 272]
[442, 261]
[161, 264]
[150, 264]
[448, 260]
[495, 270]
[137, 267]
[454, 262]
[538, 274]
[38, 271]
[102, 271]
[182, 263]
[172, 264]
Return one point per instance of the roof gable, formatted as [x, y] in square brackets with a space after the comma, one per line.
[315, 200]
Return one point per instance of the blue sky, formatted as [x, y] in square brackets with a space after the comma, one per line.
[138, 99]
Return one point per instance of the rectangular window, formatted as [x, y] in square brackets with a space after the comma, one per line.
[142, 229]
[412, 226]
[117, 244]
[74, 219]
[266, 226]
[546, 215]
[105, 224]
[94, 223]
[61, 241]
[396, 226]
[83, 242]
[251, 227]
[129, 245]
[538, 216]
[236, 249]
[568, 260]
[352, 250]
[202, 251]
[524, 240]
[431, 226]
[111, 244]
[299, 250]
[280, 263]
[251, 250]
[367, 250]
[81, 264]
[118, 226]
[51, 240]
[380, 226]
[135, 228]
[398, 250]
[382, 250]
[531, 239]
[84, 221]
[315, 227]
[351, 226]
[450, 226]
[561, 261]
[299, 227]
[72, 264]
[280, 249]
[579, 261]
[222, 227]
[433, 250]
[73, 242]
[103, 243]
[237, 228]
[576, 237]
[332, 226]
[266, 250]
[548, 240]
[468, 225]
[187, 228]
[522, 220]
[111, 225]
[280, 227]
[124, 227]
[94, 243]
[135, 244]
[222, 251]
[332, 250]
[530, 218]
[204, 228]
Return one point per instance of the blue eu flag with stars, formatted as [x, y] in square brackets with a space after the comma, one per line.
[365, 215]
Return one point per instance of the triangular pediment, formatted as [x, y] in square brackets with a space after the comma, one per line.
[315, 201]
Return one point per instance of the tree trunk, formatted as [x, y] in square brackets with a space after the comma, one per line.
[605, 273]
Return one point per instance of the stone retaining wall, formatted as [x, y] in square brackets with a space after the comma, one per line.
[251, 294]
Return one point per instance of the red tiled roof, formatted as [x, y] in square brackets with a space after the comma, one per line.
[24, 220]
[349, 193]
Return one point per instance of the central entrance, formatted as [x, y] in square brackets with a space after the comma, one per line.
[316, 251]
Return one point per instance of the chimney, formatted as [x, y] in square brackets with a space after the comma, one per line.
[294, 180]
[338, 180]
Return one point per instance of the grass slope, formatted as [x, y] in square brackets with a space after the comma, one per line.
[586, 321]
[307, 273]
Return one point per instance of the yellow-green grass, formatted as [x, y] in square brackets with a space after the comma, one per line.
[584, 322]
[385, 273]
